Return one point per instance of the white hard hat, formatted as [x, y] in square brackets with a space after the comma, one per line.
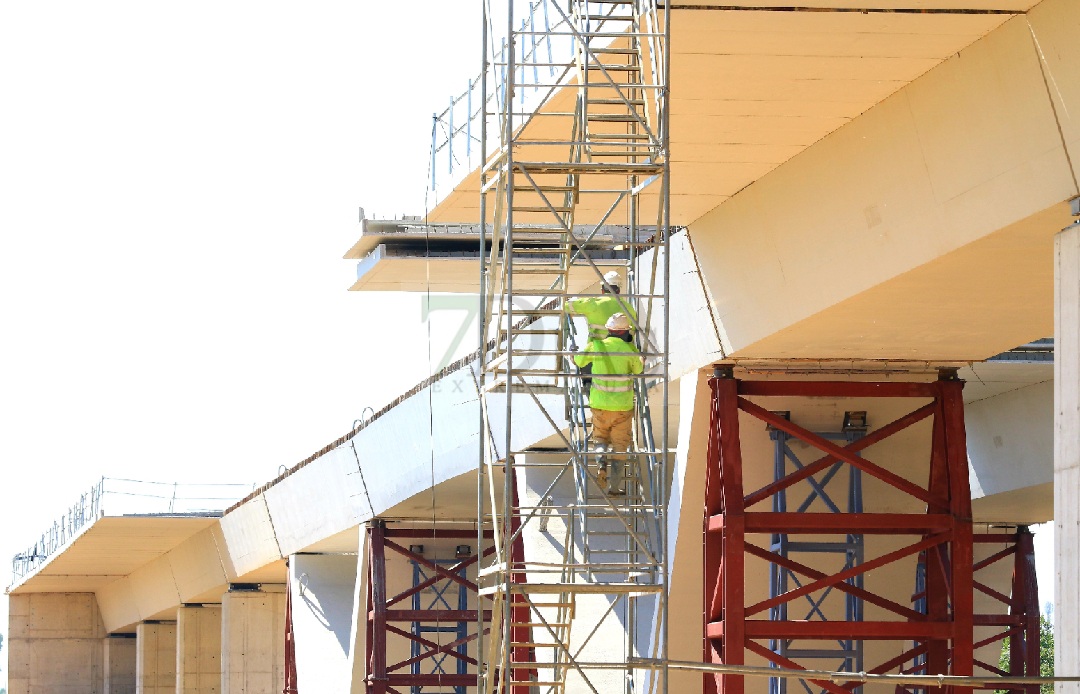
[612, 278]
[618, 321]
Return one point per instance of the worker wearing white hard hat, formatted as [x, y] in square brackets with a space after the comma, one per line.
[597, 309]
[614, 361]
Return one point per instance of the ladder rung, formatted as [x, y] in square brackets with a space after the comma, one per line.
[554, 270]
[613, 67]
[616, 154]
[536, 312]
[533, 683]
[543, 188]
[612, 118]
[616, 102]
[616, 85]
[644, 168]
[543, 208]
[619, 136]
[524, 331]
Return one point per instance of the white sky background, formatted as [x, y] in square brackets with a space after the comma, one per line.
[178, 183]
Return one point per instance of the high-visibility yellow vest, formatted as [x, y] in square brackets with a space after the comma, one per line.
[612, 359]
[597, 310]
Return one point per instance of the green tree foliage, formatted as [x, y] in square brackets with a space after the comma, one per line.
[1046, 654]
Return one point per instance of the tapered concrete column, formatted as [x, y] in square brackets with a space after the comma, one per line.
[56, 643]
[684, 529]
[120, 664]
[1067, 456]
[324, 589]
[253, 641]
[155, 658]
[198, 649]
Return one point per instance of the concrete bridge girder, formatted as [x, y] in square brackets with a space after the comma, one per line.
[910, 231]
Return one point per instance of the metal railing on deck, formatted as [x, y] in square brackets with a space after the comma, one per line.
[125, 497]
[455, 139]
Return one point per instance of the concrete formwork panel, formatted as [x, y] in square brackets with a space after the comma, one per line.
[197, 568]
[118, 607]
[253, 642]
[420, 445]
[120, 657]
[155, 658]
[56, 644]
[323, 596]
[198, 650]
[320, 499]
[249, 535]
[154, 589]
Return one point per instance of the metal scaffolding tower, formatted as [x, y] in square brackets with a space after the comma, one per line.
[579, 104]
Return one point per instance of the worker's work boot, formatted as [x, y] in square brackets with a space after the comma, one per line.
[601, 464]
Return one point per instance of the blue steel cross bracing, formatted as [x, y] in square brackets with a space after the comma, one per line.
[848, 652]
[441, 589]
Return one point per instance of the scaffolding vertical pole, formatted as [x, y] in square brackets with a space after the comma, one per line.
[547, 246]
[483, 452]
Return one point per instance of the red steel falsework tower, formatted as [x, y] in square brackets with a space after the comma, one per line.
[735, 532]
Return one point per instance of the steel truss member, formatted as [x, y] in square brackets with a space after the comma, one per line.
[736, 622]
[400, 623]
[1012, 619]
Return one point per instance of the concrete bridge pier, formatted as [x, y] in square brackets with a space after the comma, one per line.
[155, 658]
[253, 639]
[57, 644]
[198, 649]
[1067, 454]
[120, 664]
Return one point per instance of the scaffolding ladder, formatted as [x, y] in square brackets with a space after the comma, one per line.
[579, 106]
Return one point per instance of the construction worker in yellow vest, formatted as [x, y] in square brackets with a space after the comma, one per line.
[614, 360]
[597, 309]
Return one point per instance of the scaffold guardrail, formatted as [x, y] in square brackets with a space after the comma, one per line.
[455, 139]
[125, 497]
